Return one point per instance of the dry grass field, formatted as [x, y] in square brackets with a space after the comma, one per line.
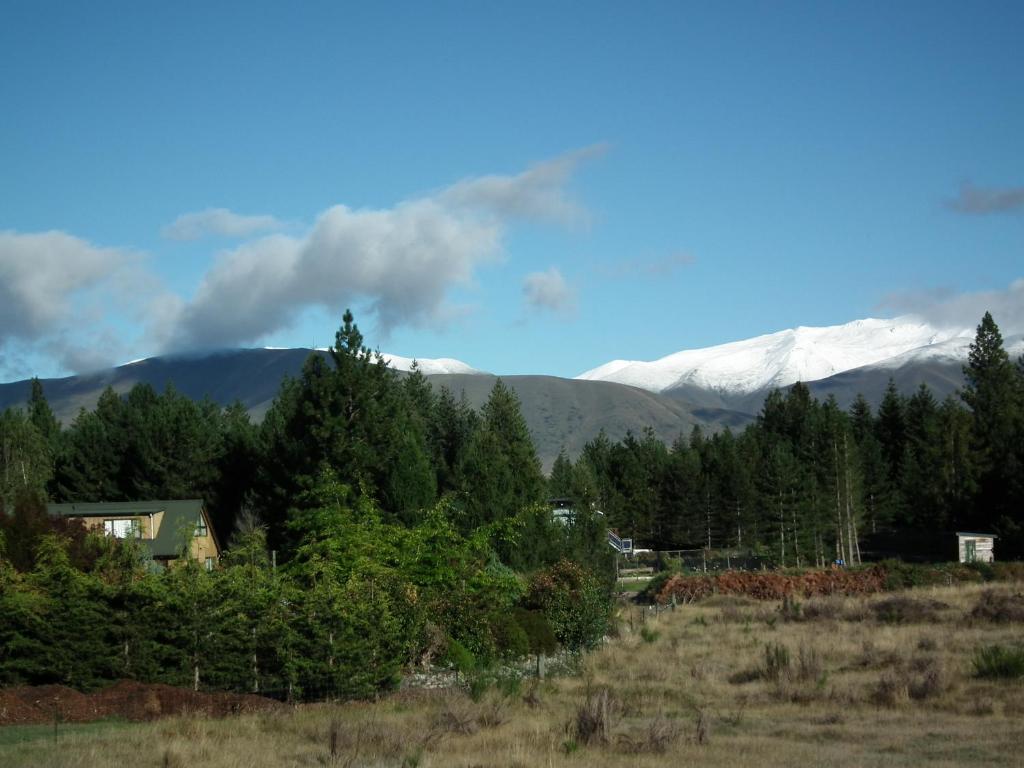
[888, 680]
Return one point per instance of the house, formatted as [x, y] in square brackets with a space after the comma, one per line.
[976, 547]
[163, 527]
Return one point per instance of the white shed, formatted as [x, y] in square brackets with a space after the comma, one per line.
[975, 547]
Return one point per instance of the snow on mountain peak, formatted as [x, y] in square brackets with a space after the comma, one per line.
[428, 366]
[782, 358]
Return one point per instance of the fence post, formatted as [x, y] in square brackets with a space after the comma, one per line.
[540, 666]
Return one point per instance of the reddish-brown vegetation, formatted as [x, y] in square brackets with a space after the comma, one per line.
[773, 586]
[26, 705]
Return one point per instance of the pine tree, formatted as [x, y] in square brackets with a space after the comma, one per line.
[993, 393]
[501, 471]
[561, 482]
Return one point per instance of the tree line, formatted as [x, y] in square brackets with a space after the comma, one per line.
[807, 482]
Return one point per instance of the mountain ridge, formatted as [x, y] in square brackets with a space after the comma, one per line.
[566, 413]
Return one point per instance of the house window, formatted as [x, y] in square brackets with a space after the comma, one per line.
[200, 527]
[210, 563]
[122, 529]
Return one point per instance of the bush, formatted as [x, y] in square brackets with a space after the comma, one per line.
[1008, 571]
[999, 608]
[902, 609]
[594, 719]
[649, 635]
[510, 639]
[776, 662]
[539, 635]
[999, 663]
[460, 658]
[573, 602]
[900, 575]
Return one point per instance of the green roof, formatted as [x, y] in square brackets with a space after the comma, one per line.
[179, 515]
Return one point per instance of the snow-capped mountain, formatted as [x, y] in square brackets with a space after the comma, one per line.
[428, 366]
[799, 354]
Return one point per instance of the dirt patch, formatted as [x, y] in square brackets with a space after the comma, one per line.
[129, 700]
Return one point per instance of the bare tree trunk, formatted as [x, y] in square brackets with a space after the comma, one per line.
[782, 533]
[255, 666]
[796, 530]
[707, 496]
[850, 537]
[840, 544]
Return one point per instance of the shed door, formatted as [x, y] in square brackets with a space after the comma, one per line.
[970, 551]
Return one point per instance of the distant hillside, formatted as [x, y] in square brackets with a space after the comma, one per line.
[558, 411]
[570, 412]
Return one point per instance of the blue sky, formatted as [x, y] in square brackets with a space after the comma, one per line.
[530, 188]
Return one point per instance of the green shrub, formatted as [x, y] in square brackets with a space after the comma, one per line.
[460, 658]
[573, 601]
[900, 575]
[984, 571]
[649, 635]
[510, 638]
[539, 635]
[776, 662]
[999, 663]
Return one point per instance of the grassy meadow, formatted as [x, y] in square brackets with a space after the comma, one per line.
[897, 679]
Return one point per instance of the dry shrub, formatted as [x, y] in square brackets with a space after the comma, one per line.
[656, 737]
[532, 696]
[891, 690]
[459, 716]
[930, 681]
[999, 607]
[493, 711]
[872, 656]
[832, 718]
[772, 586]
[359, 740]
[595, 718]
[730, 614]
[822, 610]
[923, 679]
[703, 734]
[810, 665]
[903, 609]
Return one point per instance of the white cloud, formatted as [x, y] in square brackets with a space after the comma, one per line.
[536, 193]
[947, 309]
[40, 272]
[60, 296]
[401, 261]
[87, 306]
[219, 222]
[549, 290]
